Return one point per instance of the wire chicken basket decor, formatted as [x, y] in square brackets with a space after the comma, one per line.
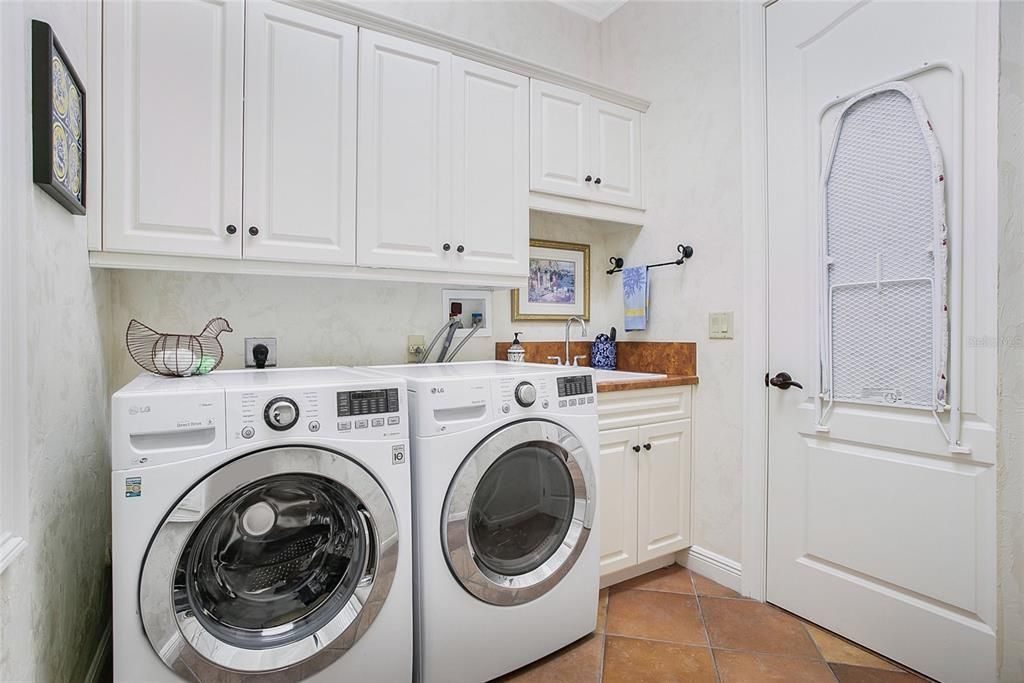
[176, 355]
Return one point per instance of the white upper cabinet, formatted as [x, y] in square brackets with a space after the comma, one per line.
[300, 136]
[584, 147]
[559, 140]
[404, 205]
[173, 127]
[615, 154]
[289, 141]
[490, 176]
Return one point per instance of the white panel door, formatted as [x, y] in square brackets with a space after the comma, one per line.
[615, 132]
[560, 140]
[617, 498]
[490, 173]
[300, 136]
[663, 514]
[404, 195]
[172, 138]
[876, 530]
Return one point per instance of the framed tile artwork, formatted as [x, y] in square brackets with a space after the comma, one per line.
[58, 122]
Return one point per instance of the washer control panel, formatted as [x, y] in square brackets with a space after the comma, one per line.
[325, 412]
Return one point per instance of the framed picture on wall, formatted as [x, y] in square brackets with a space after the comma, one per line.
[58, 122]
[559, 283]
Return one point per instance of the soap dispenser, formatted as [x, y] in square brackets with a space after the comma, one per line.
[516, 352]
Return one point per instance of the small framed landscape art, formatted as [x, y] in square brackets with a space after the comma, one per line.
[58, 122]
[558, 287]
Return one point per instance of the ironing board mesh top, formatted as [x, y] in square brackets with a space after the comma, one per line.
[881, 227]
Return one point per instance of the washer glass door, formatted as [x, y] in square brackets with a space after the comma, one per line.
[282, 557]
[519, 512]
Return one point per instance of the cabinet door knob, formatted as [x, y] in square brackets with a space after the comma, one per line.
[597, 181]
[647, 446]
[231, 230]
[636, 449]
[588, 179]
[460, 249]
[253, 230]
[446, 246]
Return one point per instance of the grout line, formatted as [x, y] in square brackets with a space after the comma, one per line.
[600, 663]
[817, 649]
[771, 654]
[704, 625]
[658, 640]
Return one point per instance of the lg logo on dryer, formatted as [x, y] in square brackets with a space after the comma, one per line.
[437, 390]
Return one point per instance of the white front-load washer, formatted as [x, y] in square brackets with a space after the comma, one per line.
[262, 528]
[505, 465]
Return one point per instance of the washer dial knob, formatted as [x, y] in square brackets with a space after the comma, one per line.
[526, 394]
[281, 413]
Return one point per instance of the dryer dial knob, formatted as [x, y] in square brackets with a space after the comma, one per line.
[281, 413]
[526, 394]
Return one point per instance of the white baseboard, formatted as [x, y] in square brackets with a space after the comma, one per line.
[99, 657]
[712, 565]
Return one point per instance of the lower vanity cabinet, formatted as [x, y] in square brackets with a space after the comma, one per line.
[645, 441]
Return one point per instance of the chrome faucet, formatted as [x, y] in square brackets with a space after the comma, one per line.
[568, 332]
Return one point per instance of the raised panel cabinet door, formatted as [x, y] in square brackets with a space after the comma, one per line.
[663, 491]
[404, 195]
[560, 141]
[616, 154]
[490, 173]
[300, 136]
[617, 498]
[172, 165]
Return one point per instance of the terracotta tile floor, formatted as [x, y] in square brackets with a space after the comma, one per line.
[671, 625]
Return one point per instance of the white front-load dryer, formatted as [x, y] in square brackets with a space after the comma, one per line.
[262, 528]
[505, 480]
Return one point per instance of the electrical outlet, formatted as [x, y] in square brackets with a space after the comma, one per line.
[269, 342]
[720, 325]
[415, 346]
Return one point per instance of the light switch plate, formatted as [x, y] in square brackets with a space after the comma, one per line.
[720, 325]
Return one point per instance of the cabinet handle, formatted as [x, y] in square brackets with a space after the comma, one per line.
[253, 230]
[636, 449]
[647, 446]
[597, 181]
[446, 246]
[460, 249]
[588, 179]
[231, 230]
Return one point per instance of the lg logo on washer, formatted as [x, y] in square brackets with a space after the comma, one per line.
[437, 390]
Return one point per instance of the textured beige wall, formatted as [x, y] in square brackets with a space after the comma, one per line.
[684, 57]
[1010, 493]
[53, 598]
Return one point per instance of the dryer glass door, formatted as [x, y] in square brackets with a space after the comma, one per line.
[519, 512]
[282, 557]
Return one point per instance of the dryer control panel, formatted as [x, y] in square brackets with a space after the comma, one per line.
[533, 394]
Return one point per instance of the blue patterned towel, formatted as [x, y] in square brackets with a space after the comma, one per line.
[636, 295]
